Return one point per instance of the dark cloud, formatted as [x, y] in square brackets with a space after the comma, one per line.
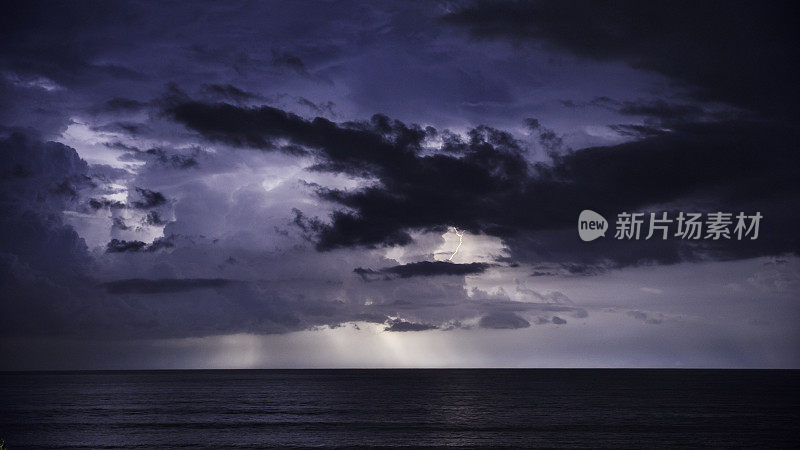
[660, 110]
[39, 180]
[252, 127]
[418, 192]
[47, 46]
[123, 246]
[503, 320]
[742, 53]
[488, 186]
[558, 320]
[175, 161]
[165, 157]
[424, 268]
[548, 138]
[164, 285]
[149, 199]
[98, 203]
[153, 218]
[720, 166]
[402, 325]
[667, 112]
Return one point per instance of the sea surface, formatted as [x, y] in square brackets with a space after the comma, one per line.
[348, 408]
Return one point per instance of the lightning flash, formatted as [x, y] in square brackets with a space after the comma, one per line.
[460, 240]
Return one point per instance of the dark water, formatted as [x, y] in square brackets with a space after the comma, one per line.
[550, 408]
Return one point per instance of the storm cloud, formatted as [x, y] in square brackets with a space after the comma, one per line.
[485, 184]
[734, 53]
[348, 173]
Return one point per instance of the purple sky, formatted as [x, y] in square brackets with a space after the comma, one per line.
[282, 184]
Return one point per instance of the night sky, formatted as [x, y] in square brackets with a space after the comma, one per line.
[286, 184]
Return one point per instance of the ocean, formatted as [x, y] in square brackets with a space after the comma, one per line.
[349, 408]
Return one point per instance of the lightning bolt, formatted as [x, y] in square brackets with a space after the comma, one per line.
[460, 240]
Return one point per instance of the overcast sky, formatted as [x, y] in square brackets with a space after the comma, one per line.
[394, 184]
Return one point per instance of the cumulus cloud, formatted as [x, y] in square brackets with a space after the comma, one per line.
[39, 180]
